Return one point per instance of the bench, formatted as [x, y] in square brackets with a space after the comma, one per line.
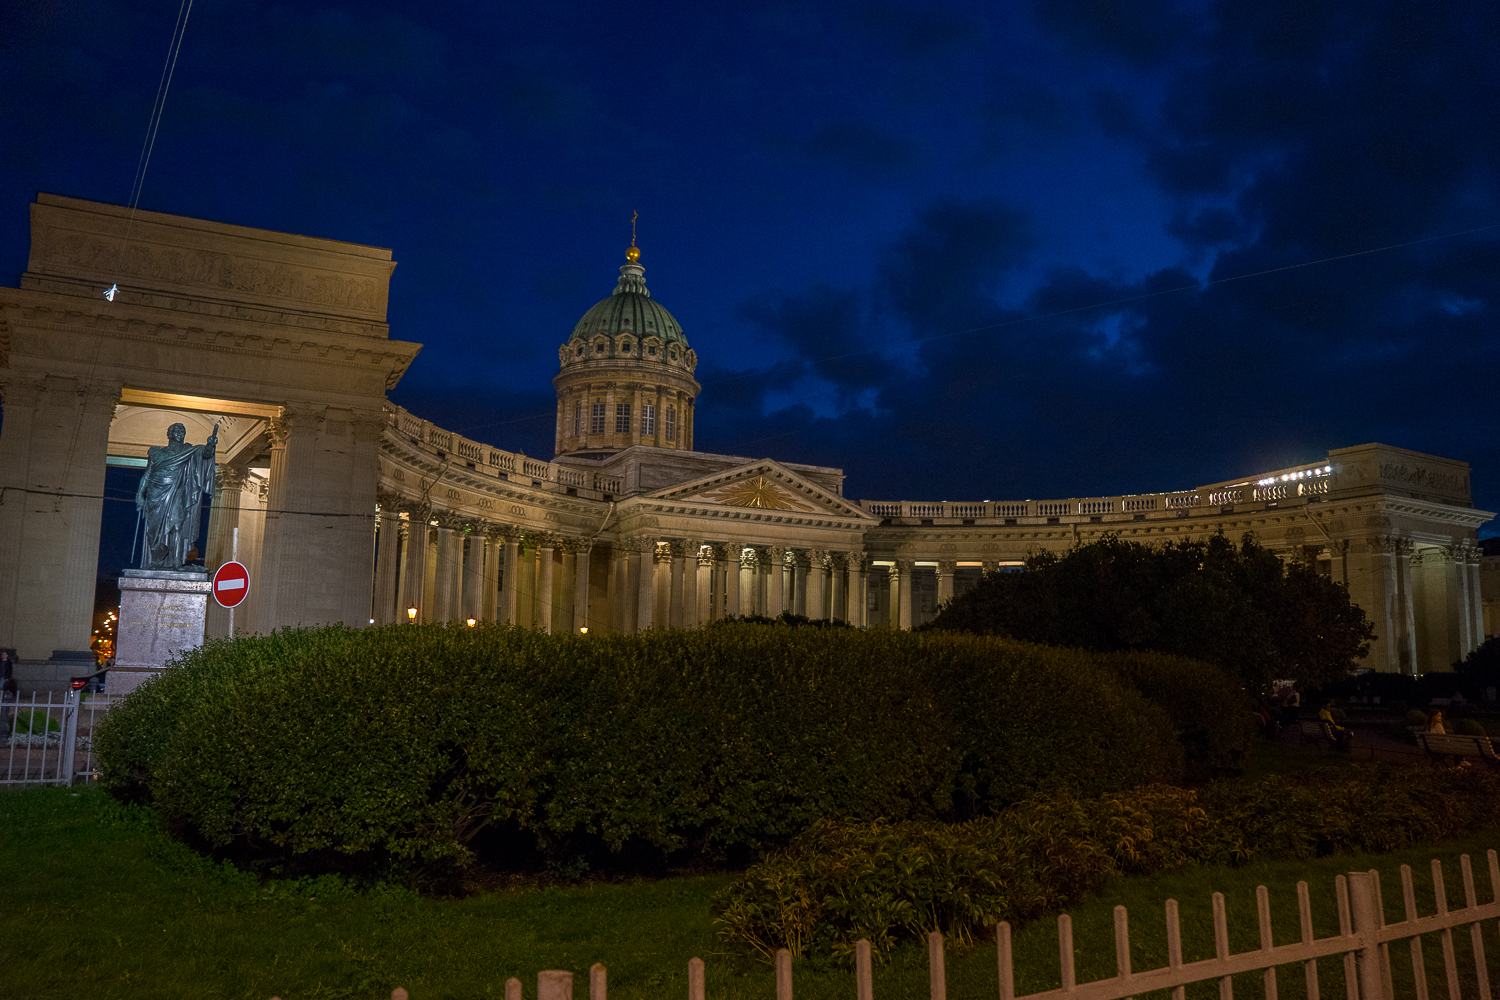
[1455, 746]
[1318, 731]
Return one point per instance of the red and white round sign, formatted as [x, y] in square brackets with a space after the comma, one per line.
[231, 584]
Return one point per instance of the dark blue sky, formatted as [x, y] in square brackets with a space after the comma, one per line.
[865, 216]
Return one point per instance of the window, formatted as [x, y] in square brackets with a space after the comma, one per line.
[672, 354]
[625, 347]
[578, 353]
[622, 418]
[577, 418]
[596, 422]
[648, 418]
[651, 349]
[598, 348]
[671, 423]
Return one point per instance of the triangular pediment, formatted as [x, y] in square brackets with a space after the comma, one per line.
[764, 485]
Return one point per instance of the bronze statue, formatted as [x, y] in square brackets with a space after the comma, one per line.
[171, 489]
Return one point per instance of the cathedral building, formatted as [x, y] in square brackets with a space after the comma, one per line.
[345, 507]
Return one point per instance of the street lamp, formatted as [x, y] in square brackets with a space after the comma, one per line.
[471, 623]
[411, 615]
[583, 630]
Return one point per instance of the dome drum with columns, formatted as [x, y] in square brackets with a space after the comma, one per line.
[627, 375]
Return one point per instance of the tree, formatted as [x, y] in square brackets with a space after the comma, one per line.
[1238, 606]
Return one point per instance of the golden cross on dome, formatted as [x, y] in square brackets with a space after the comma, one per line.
[633, 254]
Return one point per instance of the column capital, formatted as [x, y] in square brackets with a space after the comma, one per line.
[857, 561]
[21, 391]
[369, 425]
[100, 394]
[946, 567]
[903, 566]
[230, 477]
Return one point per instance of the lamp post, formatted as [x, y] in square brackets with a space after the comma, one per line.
[411, 615]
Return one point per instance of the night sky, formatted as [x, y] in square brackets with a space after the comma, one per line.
[961, 251]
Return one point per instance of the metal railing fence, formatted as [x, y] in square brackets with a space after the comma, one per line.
[47, 738]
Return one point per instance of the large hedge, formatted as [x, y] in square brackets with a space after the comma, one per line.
[344, 747]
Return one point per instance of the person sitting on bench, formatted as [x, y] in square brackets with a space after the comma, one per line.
[1339, 733]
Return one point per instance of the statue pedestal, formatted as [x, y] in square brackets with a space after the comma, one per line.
[161, 615]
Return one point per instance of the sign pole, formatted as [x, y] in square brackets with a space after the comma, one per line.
[234, 555]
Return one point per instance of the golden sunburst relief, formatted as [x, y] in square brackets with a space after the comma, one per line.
[756, 493]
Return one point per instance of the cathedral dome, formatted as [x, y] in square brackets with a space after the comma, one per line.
[630, 310]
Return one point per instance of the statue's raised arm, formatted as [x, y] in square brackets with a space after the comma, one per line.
[176, 477]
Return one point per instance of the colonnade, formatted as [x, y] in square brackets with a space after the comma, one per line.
[438, 567]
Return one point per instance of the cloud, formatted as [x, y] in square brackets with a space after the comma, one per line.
[862, 147]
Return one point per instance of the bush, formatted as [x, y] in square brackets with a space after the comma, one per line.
[343, 748]
[1210, 711]
[1469, 727]
[1416, 717]
[840, 882]
[889, 882]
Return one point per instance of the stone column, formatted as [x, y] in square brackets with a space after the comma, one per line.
[49, 537]
[732, 573]
[564, 585]
[677, 618]
[1460, 607]
[544, 582]
[431, 610]
[797, 602]
[231, 484]
[775, 581]
[581, 616]
[474, 577]
[1406, 609]
[21, 396]
[491, 584]
[1476, 595]
[945, 571]
[859, 602]
[387, 551]
[288, 547]
[817, 569]
[893, 577]
[703, 604]
[838, 590]
[450, 565]
[643, 568]
[510, 583]
[526, 582]
[413, 566]
[662, 576]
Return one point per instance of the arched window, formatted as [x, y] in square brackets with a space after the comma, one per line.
[671, 423]
[578, 413]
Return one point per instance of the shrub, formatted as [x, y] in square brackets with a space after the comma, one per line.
[1209, 709]
[1416, 717]
[1469, 727]
[889, 882]
[393, 746]
[886, 882]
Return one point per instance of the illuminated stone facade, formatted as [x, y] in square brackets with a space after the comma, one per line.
[351, 509]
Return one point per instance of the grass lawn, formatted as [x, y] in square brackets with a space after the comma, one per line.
[97, 903]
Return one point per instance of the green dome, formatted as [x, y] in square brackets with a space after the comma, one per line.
[630, 310]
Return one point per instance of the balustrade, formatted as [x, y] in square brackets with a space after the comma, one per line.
[1138, 503]
[1053, 509]
[1096, 507]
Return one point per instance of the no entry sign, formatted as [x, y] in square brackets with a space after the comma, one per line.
[231, 584]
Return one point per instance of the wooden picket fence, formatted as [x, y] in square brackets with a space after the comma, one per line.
[1363, 943]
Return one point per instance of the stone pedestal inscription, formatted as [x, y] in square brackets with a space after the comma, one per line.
[161, 614]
